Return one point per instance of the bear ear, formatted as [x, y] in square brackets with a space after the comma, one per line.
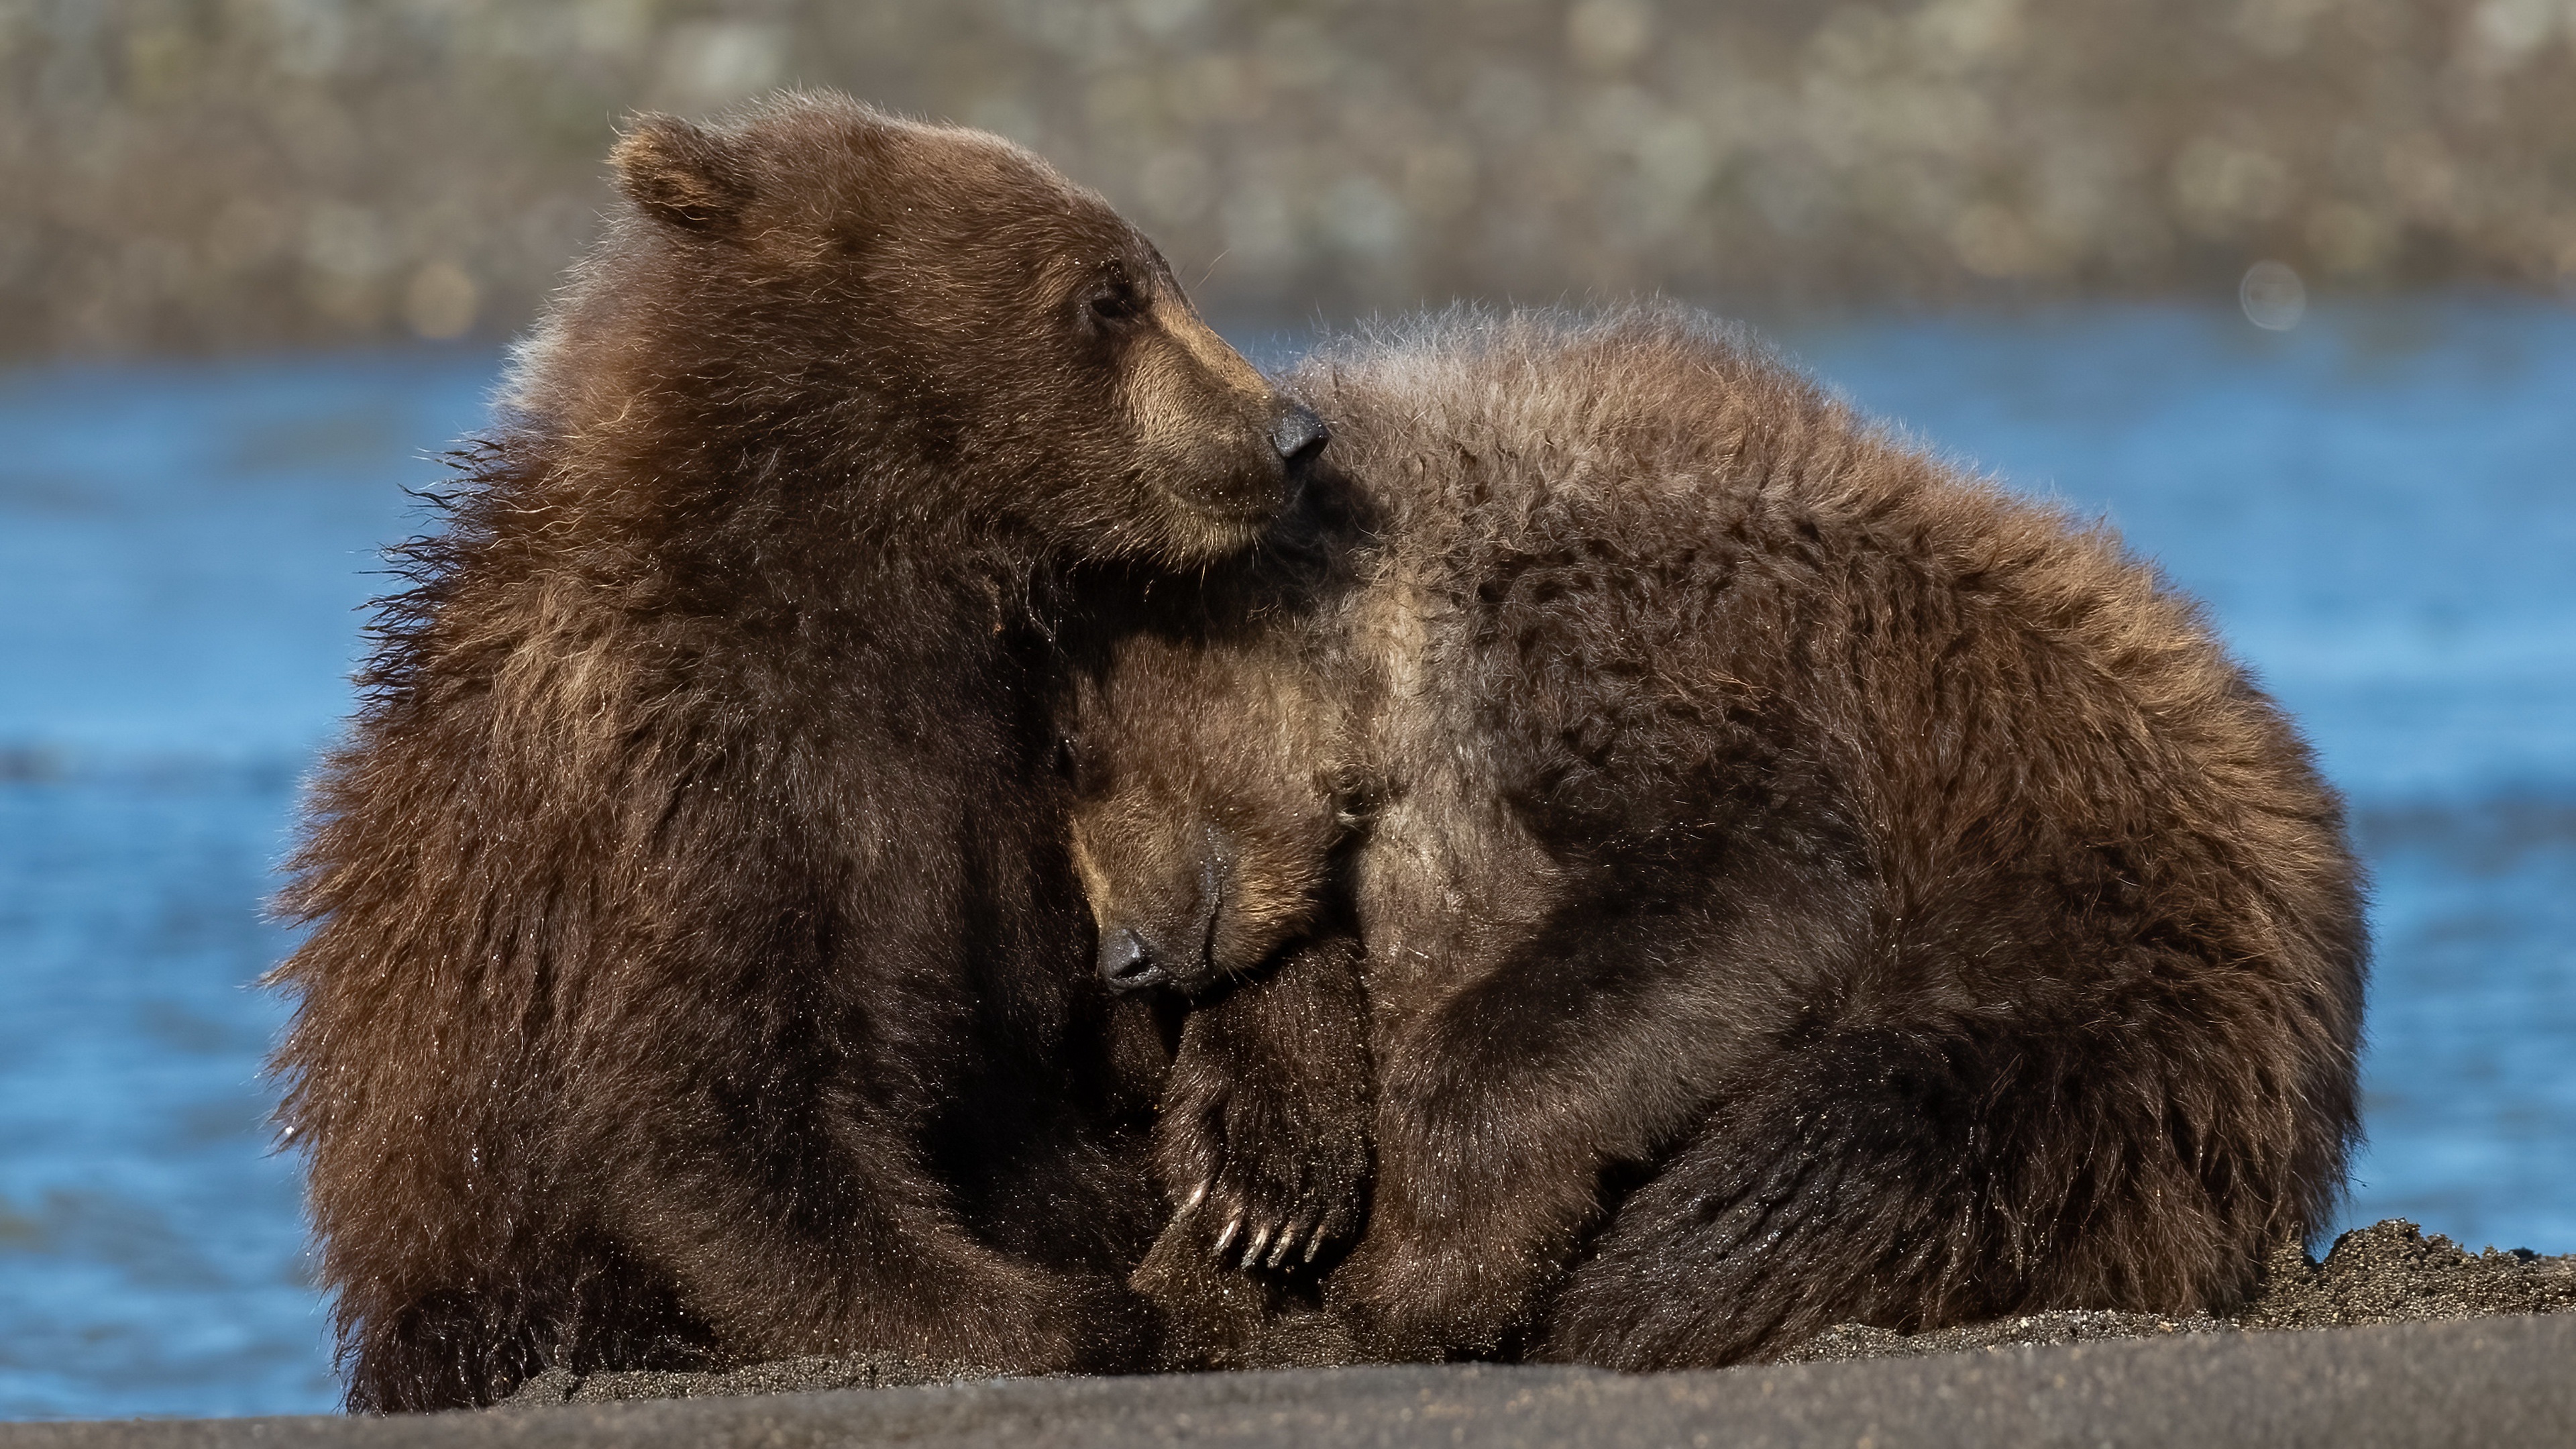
[681, 175]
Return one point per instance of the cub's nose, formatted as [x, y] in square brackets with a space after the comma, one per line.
[1298, 434]
[1126, 962]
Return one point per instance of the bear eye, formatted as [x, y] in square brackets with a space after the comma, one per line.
[1355, 801]
[1117, 303]
[1066, 758]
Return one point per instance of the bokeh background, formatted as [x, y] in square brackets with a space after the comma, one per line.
[210, 174]
[2281, 287]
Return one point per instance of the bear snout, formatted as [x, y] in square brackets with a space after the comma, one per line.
[1298, 434]
[1127, 960]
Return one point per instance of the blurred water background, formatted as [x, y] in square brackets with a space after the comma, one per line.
[2279, 286]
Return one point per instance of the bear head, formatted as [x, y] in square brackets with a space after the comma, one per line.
[815, 314]
[1211, 801]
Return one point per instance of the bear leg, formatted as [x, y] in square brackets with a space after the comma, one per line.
[1502, 1109]
[1913, 1180]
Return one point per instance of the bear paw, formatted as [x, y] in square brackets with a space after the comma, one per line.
[1266, 1177]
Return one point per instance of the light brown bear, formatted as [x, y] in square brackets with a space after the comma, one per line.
[698, 975]
[1799, 884]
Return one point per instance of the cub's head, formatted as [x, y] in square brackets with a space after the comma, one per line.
[880, 322]
[1208, 810]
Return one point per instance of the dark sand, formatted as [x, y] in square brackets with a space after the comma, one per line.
[2474, 1384]
[2422, 1344]
[2383, 1274]
[2386, 1273]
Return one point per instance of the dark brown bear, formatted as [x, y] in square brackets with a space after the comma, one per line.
[1207, 831]
[1804, 886]
[698, 974]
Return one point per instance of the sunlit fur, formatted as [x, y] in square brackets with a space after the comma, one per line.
[698, 975]
[1806, 885]
[1212, 882]
[1207, 818]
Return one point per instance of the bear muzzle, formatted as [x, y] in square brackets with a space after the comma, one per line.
[1271, 477]
[1127, 961]
[1299, 436]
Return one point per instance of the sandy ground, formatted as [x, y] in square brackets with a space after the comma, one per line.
[2388, 1273]
[2479, 1382]
[2416, 1343]
[2379, 1275]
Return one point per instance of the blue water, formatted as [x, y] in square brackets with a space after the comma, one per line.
[2380, 508]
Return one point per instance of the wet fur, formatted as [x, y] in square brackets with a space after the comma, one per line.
[1806, 885]
[698, 976]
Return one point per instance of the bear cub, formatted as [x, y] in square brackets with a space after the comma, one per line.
[1716, 873]
[1208, 825]
[698, 973]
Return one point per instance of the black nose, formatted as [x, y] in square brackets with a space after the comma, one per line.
[1299, 434]
[1126, 963]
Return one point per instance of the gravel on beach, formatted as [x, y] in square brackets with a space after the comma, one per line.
[2388, 1272]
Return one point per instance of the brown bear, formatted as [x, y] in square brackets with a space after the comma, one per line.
[697, 973]
[1799, 884]
[1207, 832]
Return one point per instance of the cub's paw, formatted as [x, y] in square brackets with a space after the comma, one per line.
[1264, 1176]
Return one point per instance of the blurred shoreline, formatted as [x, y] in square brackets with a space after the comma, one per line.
[208, 175]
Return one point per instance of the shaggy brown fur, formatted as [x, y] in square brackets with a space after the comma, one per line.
[698, 975]
[1807, 886]
[1208, 822]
